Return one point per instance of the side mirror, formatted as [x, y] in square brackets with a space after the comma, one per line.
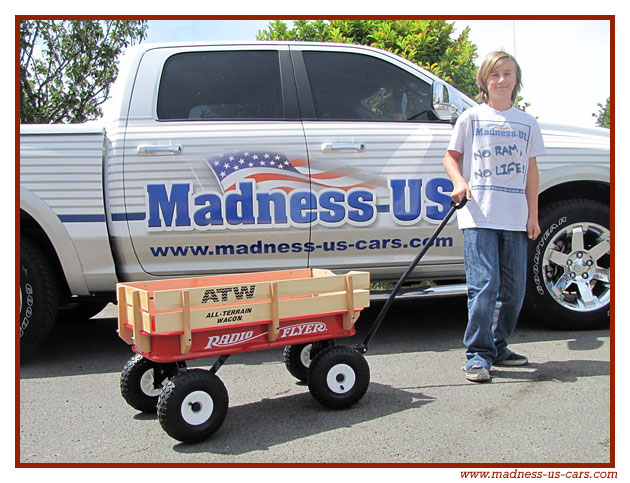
[445, 102]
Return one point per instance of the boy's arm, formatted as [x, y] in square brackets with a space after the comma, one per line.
[451, 164]
[531, 193]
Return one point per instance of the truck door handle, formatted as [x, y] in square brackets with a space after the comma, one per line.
[358, 147]
[145, 149]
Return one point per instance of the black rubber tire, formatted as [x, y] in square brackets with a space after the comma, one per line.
[293, 356]
[135, 390]
[203, 389]
[39, 294]
[338, 377]
[539, 303]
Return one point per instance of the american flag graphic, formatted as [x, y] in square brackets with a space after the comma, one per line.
[272, 170]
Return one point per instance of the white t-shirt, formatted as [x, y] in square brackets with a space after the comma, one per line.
[496, 147]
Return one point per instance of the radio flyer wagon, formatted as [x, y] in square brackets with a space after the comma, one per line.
[168, 322]
[171, 321]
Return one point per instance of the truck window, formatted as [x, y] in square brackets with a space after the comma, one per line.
[347, 86]
[232, 85]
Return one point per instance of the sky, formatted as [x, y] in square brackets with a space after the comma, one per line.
[565, 63]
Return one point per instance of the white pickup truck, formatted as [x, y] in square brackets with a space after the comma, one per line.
[222, 158]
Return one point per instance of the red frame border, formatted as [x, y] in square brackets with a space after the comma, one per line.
[18, 18]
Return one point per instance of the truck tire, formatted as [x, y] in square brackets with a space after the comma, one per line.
[338, 377]
[568, 283]
[39, 297]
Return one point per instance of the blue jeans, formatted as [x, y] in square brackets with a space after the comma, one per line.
[496, 272]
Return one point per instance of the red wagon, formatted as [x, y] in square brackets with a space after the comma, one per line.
[170, 321]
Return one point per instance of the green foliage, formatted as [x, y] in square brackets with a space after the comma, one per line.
[603, 116]
[67, 67]
[520, 104]
[428, 43]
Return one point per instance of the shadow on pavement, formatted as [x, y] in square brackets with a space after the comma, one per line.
[262, 424]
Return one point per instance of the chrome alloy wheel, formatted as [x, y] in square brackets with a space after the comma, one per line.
[576, 267]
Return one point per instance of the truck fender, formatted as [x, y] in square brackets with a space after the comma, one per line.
[59, 238]
[561, 175]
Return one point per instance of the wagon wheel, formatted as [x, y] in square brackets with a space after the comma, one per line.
[193, 405]
[297, 358]
[142, 380]
[338, 377]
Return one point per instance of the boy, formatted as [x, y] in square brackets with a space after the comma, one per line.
[491, 160]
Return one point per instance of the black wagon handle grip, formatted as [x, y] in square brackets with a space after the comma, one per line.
[459, 205]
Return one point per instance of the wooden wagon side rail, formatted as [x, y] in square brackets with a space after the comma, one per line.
[130, 312]
[183, 305]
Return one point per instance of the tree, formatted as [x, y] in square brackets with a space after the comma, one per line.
[521, 104]
[428, 43]
[603, 116]
[67, 67]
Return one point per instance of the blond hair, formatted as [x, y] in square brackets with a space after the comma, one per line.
[493, 60]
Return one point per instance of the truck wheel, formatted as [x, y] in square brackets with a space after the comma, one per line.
[193, 405]
[297, 358]
[138, 382]
[338, 377]
[39, 297]
[569, 266]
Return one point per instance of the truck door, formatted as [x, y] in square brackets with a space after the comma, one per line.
[213, 150]
[375, 151]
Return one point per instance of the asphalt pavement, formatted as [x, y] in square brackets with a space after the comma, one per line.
[419, 408]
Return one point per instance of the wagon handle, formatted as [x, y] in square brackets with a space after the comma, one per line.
[459, 205]
[362, 348]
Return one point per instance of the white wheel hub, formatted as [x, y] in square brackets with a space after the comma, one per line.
[197, 407]
[341, 378]
[146, 384]
[305, 355]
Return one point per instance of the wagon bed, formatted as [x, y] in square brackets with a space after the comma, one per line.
[180, 319]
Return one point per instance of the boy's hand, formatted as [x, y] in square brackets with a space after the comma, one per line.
[533, 229]
[460, 191]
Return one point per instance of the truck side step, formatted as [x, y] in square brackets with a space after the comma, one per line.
[458, 289]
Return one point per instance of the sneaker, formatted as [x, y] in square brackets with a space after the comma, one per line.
[477, 374]
[513, 359]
